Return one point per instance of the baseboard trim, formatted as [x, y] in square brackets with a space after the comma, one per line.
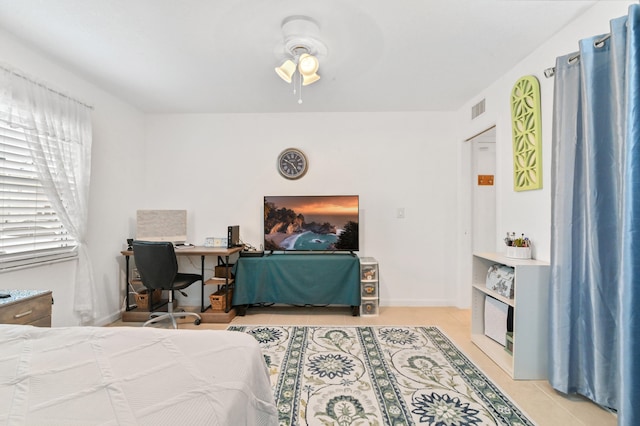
[417, 302]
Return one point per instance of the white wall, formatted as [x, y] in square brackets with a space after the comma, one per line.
[118, 131]
[390, 160]
[526, 212]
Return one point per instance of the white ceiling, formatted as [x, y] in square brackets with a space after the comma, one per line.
[190, 56]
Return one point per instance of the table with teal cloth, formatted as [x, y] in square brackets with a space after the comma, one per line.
[297, 279]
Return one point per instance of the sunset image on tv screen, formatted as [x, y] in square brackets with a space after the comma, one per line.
[309, 223]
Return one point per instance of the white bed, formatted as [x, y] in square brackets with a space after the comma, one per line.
[131, 376]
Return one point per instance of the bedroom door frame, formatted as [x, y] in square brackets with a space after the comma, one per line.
[468, 179]
[483, 197]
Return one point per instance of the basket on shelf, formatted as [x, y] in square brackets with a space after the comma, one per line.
[142, 298]
[220, 270]
[219, 300]
[518, 248]
[519, 252]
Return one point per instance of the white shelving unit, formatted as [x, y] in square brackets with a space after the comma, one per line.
[530, 315]
[369, 280]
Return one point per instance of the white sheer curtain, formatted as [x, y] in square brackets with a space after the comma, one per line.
[59, 133]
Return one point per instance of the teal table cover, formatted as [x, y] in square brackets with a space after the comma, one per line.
[298, 279]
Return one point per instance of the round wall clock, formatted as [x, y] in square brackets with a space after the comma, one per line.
[292, 163]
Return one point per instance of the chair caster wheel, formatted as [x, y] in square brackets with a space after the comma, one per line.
[197, 322]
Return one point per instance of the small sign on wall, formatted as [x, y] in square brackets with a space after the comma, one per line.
[485, 180]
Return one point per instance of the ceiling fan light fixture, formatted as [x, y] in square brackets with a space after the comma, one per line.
[286, 70]
[303, 47]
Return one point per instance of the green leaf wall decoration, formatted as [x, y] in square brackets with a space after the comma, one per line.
[527, 136]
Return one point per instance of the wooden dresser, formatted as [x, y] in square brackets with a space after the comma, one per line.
[31, 307]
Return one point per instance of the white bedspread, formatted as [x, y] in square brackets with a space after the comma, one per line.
[131, 376]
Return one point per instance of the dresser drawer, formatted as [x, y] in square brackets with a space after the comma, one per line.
[36, 310]
[42, 322]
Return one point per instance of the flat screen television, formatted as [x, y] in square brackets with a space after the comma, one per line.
[311, 223]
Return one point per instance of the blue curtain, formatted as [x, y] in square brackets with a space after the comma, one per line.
[595, 221]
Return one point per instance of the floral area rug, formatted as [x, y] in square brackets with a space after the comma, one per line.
[392, 375]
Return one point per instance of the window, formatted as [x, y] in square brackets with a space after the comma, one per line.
[30, 229]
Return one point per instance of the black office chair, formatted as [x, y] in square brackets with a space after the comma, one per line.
[158, 268]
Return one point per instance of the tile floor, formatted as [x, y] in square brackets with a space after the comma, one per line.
[536, 398]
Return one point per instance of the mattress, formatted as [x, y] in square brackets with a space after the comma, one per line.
[132, 376]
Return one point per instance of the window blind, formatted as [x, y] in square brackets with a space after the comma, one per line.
[30, 229]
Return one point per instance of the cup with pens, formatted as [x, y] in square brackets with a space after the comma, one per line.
[517, 247]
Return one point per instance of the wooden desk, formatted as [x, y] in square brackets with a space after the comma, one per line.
[223, 255]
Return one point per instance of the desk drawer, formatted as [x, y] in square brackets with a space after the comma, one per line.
[27, 311]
